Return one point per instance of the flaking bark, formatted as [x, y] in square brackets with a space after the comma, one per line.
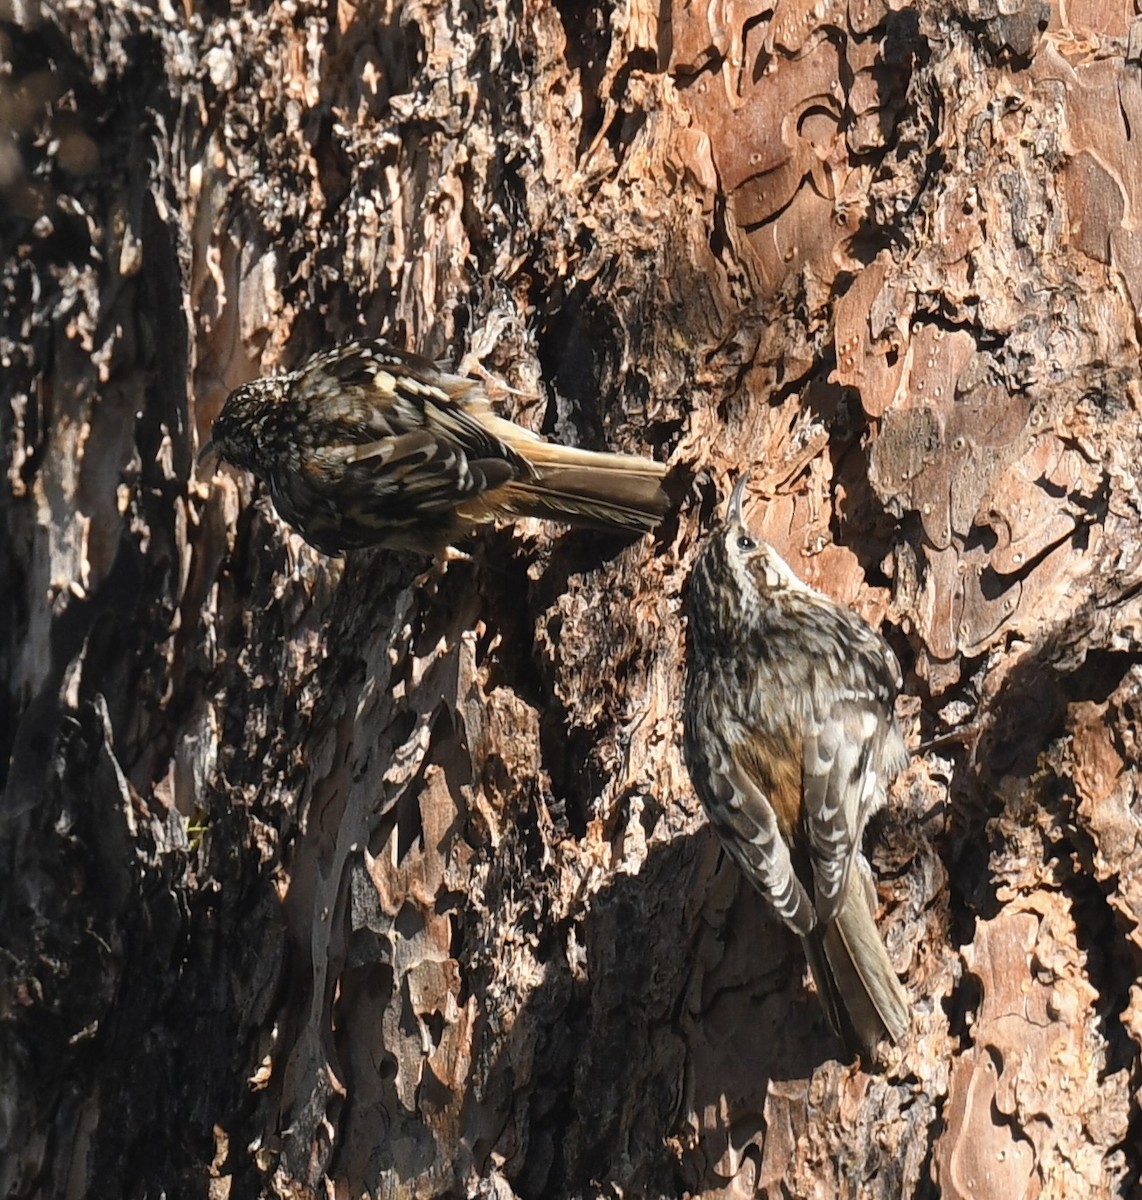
[320, 881]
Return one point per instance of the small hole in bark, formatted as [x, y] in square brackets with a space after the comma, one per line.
[1099, 676]
[410, 827]
[434, 1022]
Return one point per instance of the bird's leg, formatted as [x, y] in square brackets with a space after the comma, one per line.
[431, 577]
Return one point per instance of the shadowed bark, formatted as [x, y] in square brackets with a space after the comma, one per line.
[322, 880]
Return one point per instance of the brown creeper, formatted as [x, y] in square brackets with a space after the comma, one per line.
[790, 740]
[366, 445]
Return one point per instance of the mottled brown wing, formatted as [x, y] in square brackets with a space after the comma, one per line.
[390, 393]
[747, 824]
[418, 472]
[841, 786]
[851, 748]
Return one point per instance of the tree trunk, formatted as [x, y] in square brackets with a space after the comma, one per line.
[321, 878]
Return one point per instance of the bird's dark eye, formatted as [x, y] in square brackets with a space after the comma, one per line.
[745, 542]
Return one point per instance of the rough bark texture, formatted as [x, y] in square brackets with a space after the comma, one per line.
[321, 881]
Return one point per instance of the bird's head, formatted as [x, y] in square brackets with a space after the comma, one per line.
[246, 423]
[736, 573]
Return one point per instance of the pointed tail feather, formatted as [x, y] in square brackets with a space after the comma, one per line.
[859, 990]
[600, 491]
[581, 487]
[550, 456]
[542, 453]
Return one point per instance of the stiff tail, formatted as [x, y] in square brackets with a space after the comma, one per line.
[583, 487]
[859, 990]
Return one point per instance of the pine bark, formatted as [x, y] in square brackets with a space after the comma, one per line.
[323, 879]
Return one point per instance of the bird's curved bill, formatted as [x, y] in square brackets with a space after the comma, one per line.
[204, 453]
[736, 497]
